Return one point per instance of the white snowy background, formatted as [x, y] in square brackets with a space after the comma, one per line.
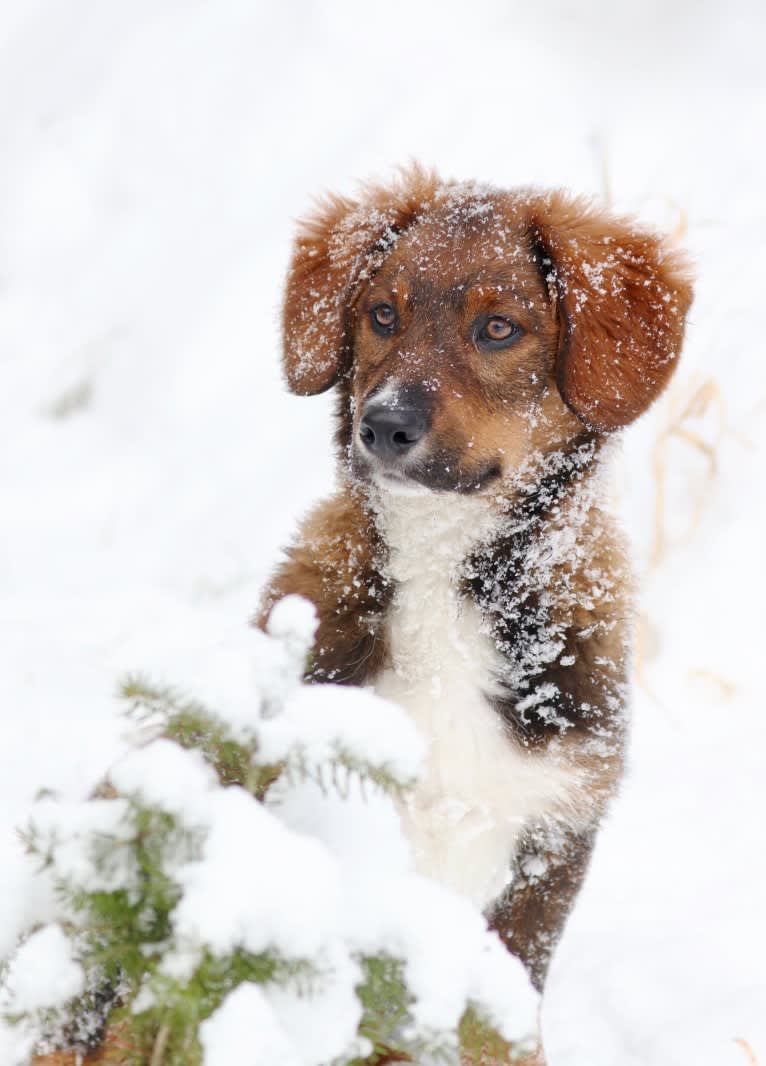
[154, 156]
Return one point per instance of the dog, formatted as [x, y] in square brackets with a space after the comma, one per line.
[486, 348]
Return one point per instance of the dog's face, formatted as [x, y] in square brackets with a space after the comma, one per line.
[467, 326]
[454, 344]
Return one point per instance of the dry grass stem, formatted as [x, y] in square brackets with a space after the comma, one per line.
[726, 689]
[705, 401]
[751, 1058]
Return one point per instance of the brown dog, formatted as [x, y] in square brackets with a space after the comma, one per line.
[484, 345]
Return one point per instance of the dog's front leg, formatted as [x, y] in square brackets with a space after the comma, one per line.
[548, 871]
[336, 564]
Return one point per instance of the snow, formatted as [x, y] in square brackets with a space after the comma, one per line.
[244, 1029]
[16, 1044]
[324, 1025]
[43, 973]
[294, 620]
[155, 156]
[249, 896]
[163, 775]
[387, 907]
[328, 722]
[66, 830]
[25, 897]
[261, 1028]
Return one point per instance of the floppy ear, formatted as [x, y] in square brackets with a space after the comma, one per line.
[622, 295]
[337, 248]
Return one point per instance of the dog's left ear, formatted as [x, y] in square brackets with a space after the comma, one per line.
[622, 295]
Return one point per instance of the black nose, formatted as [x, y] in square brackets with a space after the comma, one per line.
[389, 432]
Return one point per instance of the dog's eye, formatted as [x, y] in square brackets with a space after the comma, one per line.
[497, 332]
[383, 318]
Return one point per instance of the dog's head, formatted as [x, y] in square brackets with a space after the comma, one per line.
[465, 323]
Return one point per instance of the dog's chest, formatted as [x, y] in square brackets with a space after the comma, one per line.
[478, 790]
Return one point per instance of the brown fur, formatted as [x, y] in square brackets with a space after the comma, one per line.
[623, 299]
[333, 252]
[337, 562]
[530, 916]
[619, 294]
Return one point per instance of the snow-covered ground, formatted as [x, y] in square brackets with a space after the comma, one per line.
[154, 155]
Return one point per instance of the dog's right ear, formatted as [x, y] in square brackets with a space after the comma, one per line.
[336, 249]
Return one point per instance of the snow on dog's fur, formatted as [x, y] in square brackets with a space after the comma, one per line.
[485, 345]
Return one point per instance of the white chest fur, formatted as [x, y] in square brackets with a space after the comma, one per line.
[479, 789]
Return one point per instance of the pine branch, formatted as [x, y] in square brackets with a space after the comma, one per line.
[163, 711]
[146, 993]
